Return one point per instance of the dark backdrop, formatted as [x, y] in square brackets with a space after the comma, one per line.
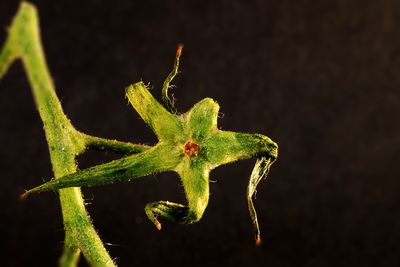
[321, 78]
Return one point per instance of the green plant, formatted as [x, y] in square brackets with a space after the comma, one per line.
[190, 144]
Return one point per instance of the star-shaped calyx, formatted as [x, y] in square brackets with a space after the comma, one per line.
[190, 144]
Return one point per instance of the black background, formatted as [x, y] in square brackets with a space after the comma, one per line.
[321, 78]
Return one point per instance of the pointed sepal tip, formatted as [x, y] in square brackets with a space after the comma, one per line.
[23, 196]
[258, 241]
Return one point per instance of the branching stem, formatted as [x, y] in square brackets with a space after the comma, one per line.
[65, 142]
[190, 144]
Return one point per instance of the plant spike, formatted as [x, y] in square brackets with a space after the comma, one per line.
[162, 157]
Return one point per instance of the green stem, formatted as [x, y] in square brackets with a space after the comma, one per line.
[102, 144]
[64, 141]
[70, 254]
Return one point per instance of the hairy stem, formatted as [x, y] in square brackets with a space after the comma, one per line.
[102, 144]
[23, 42]
[70, 254]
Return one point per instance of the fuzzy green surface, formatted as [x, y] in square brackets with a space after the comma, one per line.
[23, 42]
[199, 126]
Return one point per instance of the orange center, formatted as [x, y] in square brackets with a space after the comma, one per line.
[191, 149]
